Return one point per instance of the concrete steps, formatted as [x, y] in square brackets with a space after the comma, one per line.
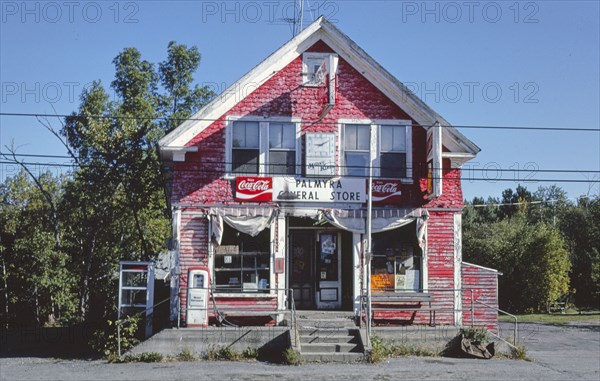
[327, 336]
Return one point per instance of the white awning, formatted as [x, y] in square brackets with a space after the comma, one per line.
[250, 221]
[382, 219]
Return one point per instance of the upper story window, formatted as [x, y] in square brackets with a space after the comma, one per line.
[392, 152]
[282, 149]
[245, 151]
[263, 147]
[314, 68]
[356, 150]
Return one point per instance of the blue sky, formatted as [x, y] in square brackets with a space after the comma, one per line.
[502, 63]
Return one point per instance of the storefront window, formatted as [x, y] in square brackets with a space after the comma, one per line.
[242, 262]
[396, 264]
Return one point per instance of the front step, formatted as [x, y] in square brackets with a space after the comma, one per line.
[333, 357]
[329, 348]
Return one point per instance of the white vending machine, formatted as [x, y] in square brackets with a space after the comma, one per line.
[197, 297]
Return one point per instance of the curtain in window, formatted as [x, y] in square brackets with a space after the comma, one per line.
[250, 221]
[382, 220]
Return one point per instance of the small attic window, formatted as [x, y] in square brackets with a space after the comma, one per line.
[314, 69]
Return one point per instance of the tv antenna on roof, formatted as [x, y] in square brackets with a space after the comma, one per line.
[298, 20]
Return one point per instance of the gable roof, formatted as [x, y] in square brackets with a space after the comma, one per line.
[324, 30]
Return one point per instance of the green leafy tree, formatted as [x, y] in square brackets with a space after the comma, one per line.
[117, 193]
[61, 239]
[532, 258]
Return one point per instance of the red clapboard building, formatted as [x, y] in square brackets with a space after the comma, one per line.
[269, 191]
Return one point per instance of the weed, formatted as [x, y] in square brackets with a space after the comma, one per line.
[476, 335]
[187, 355]
[142, 357]
[382, 350]
[291, 357]
[519, 352]
[222, 354]
[250, 353]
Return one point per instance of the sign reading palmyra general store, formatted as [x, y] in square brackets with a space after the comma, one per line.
[290, 189]
[319, 190]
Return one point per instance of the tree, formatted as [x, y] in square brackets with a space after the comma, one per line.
[117, 193]
[534, 264]
[61, 239]
[36, 270]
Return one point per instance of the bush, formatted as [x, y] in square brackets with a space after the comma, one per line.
[105, 341]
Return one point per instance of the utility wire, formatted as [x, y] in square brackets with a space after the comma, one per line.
[220, 172]
[496, 127]
[222, 163]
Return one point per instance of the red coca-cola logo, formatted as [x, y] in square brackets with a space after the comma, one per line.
[385, 187]
[254, 189]
[386, 191]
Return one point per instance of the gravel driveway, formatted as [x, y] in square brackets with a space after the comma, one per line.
[558, 353]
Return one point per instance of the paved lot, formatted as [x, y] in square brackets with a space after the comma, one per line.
[558, 353]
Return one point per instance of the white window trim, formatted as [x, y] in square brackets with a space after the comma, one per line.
[377, 123]
[306, 70]
[263, 143]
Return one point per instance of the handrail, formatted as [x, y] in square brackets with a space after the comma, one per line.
[289, 296]
[471, 309]
[515, 333]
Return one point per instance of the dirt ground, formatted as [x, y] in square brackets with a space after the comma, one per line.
[569, 352]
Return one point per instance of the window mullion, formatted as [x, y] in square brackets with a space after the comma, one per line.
[263, 144]
[374, 154]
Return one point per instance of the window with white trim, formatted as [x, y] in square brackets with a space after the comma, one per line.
[263, 147]
[282, 149]
[391, 154]
[314, 66]
[356, 150]
[245, 150]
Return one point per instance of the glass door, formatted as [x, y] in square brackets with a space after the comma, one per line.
[302, 275]
[328, 268]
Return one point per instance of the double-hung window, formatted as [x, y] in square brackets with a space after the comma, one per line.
[391, 154]
[356, 150]
[245, 149]
[258, 147]
[282, 149]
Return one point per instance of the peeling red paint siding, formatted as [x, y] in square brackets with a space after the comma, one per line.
[482, 284]
[440, 260]
[199, 181]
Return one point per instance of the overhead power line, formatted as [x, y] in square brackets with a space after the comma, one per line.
[220, 172]
[491, 127]
[222, 163]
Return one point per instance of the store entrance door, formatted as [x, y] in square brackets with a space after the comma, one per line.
[328, 269]
[315, 268]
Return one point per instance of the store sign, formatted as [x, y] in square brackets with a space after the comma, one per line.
[386, 191]
[254, 188]
[290, 189]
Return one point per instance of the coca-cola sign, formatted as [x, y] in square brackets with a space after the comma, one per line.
[386, 191]
[254, 188]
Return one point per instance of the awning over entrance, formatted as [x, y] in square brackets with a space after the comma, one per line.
[382, 219]
[253, 220]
